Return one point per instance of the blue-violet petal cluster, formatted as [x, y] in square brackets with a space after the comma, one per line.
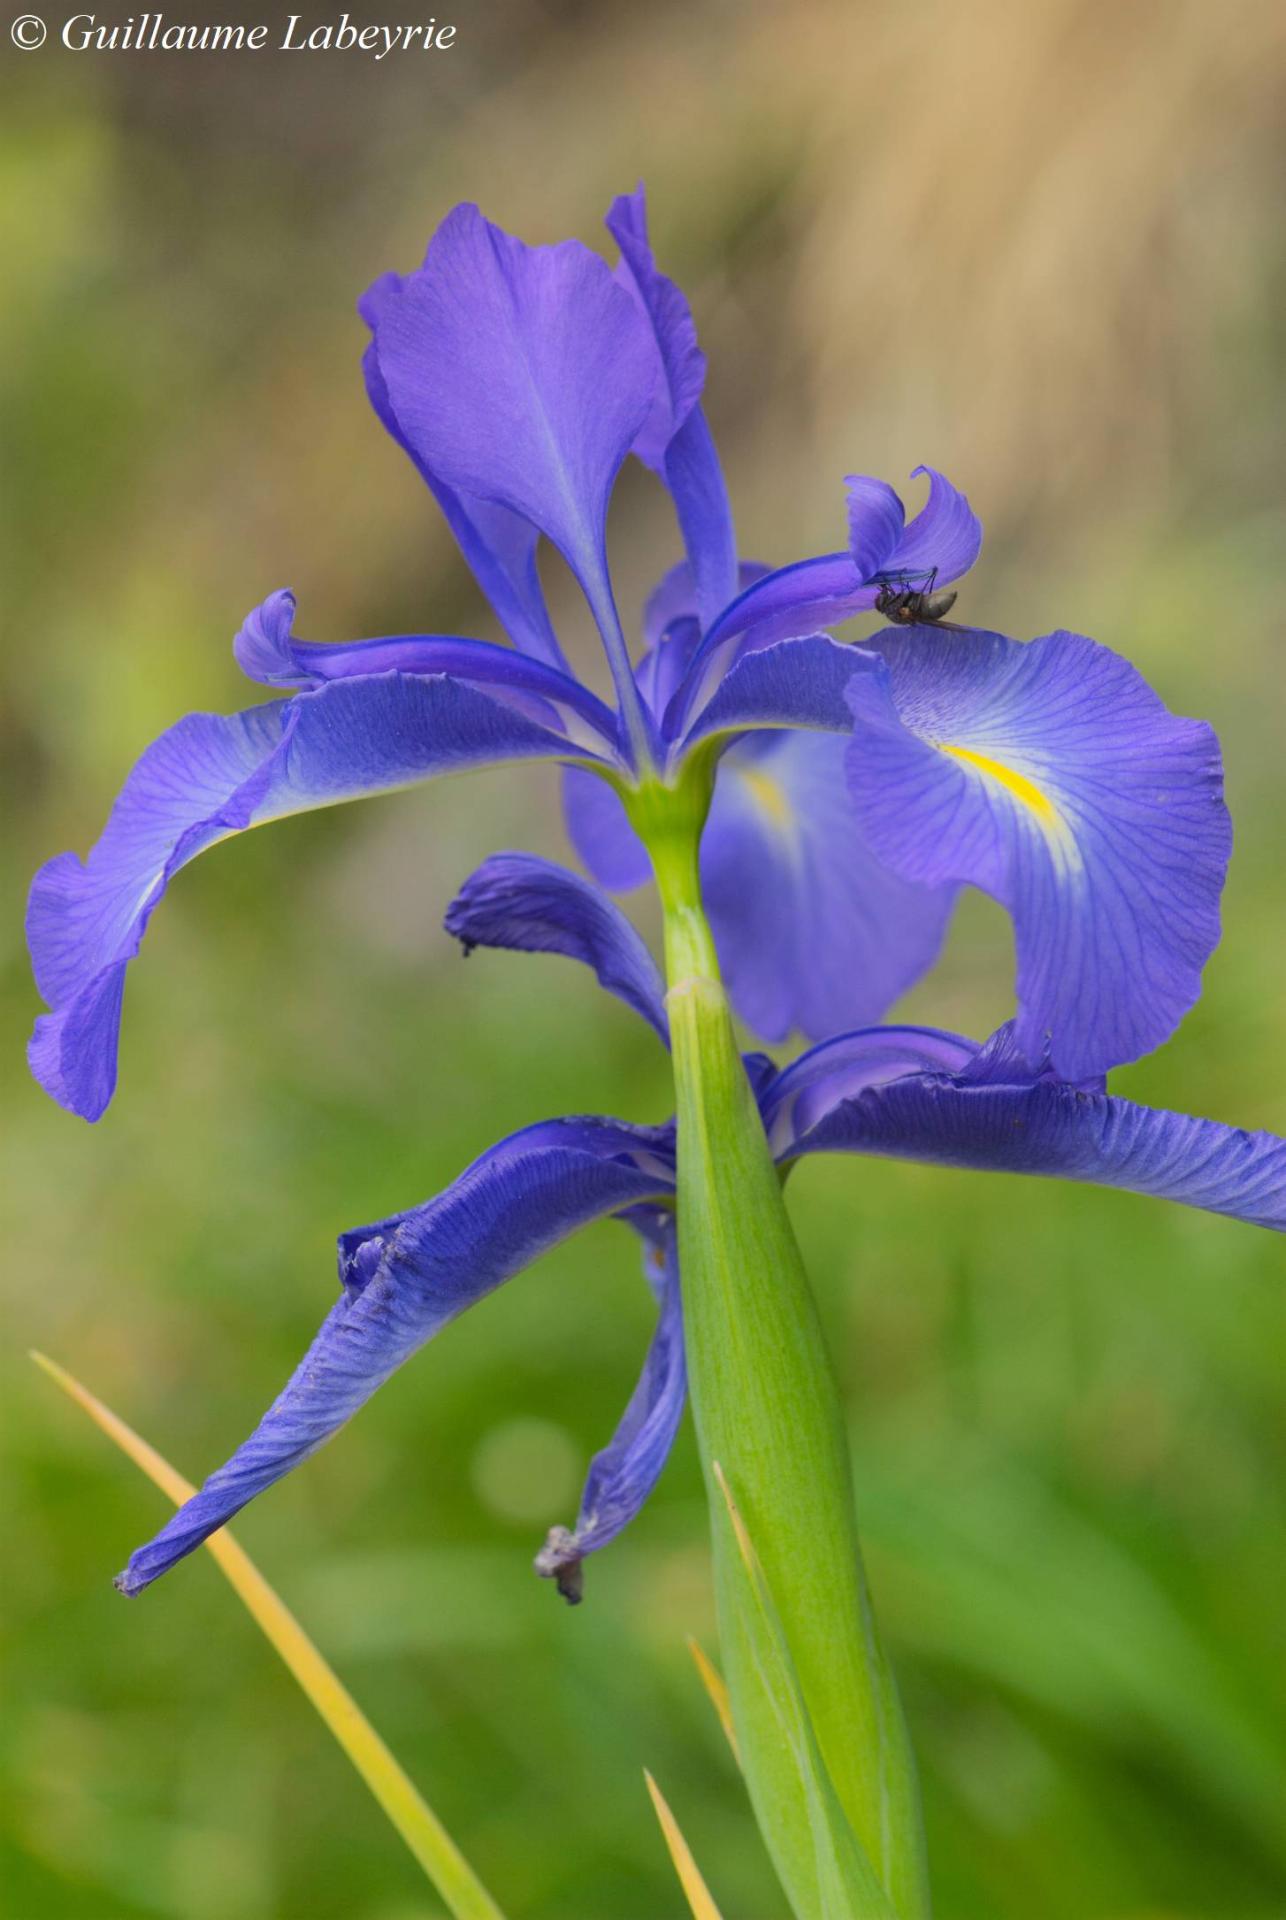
[860, 784]
[910, 1093]
[849, 792]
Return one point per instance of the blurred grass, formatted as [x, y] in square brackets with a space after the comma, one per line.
[1040, 247]
[405, 1808]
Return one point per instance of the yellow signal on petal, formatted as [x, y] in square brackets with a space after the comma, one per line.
[769, 797]
[1061, 839]
[1018, 784]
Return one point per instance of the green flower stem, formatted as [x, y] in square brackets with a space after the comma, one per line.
[768, 1411]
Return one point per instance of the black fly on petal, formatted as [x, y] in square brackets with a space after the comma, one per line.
[905, 604]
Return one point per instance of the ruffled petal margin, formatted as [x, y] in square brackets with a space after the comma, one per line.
[1053, 777]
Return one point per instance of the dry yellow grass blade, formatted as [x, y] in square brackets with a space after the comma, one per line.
[717, 1688]
[462, 1892]
[698, 1893]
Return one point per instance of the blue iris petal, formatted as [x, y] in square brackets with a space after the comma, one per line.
[623, 1475]
[521, 376]
[1051, 776]
[793, 683]
[518, 901]
[599, 829]
[912, 1093]
[796, 1100]
[213, 775]
[941, 544]
[681, 363]
[675, 440]
[517, 374]
[267, 650]
[795, 600]
[812, 932]
[405, 1279]
[674, 598]
[1037, 1125]
[499, 544]
[943, 540]
[876, 519]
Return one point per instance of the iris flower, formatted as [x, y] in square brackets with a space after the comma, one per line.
[903, 1092]
[854, 788]
[846, 792]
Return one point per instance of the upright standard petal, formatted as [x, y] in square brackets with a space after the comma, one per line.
[1051, 776]
[675, 440]
[700, 494]
[516, 374]
[623, 1475]
[530, 905]
[812, 932]
[404, 1280]
[498, 544]
[682, 365]
[1045, 1126]
[214, 775]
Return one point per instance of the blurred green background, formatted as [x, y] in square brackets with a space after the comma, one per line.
[1039, 246]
